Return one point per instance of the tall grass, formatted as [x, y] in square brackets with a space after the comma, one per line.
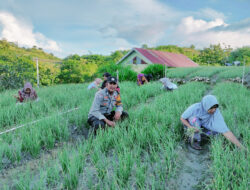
[208, 71]
[31, 139]
[231, 165]
[181, 72]
[233, 72]
[139, 153]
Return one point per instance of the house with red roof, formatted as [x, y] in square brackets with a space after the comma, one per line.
[140, 56]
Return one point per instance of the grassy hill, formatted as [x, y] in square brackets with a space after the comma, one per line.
[17, 65]
[12, 48]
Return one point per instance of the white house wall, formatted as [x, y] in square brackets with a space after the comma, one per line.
[138, 60]
[129, 58]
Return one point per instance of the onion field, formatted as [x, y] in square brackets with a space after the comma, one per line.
[220, 72]
[138, 153]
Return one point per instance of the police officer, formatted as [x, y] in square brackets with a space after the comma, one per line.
[101, 113]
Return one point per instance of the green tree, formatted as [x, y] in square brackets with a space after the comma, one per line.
[241, 54]
[15, 71]
[214, 54]
[71, 71]
[116, 56]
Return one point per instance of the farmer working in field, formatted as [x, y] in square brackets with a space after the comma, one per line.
[95, 84]
[27, 93]
[143, 78]
[101, 112]
[204, 118]
[167, 84]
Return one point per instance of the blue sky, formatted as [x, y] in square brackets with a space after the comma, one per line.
[65, 27]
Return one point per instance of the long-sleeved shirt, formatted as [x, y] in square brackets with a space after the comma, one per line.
[92, 85]
[214, 122]
[104, 104]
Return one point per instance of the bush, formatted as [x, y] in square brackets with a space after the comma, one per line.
[14, 72]
[125, 72]
[156, 70]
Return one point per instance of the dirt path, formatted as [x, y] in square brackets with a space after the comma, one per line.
[193, 172]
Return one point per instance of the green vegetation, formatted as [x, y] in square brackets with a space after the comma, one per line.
[181, 72]
[210, 72]
[125, 72]
[158, 71]
[241, 54]
[139, 153]
[52, 127]
[233, 72]
[17, 65]
[230, 165]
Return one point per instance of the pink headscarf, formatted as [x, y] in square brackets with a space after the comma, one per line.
[23, 96]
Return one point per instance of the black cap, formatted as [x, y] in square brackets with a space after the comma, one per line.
[112, 79]
[106, 75]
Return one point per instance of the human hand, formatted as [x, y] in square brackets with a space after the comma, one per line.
[110, 123]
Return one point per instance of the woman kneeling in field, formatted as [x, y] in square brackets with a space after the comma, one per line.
[27, 93]
[205, 118]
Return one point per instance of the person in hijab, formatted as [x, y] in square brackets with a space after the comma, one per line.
[143, 78]
[27, 93]
[205, 118]
[167, 85]
[95, 84]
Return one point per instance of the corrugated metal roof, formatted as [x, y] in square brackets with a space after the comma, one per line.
[167, 58]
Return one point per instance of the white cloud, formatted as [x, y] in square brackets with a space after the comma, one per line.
[15, 30]
[129, 22]
[211, 14]
[202, 33]
[141, 21]
[189, 25]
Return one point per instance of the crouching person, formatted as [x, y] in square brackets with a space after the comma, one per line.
[101, 114]
[167, 84]
[204, 118]
[26, 94]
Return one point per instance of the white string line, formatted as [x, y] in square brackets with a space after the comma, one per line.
[13, 129]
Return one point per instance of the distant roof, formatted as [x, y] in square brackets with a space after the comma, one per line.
[164, 58]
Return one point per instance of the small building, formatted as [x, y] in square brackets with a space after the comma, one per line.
[144, 57]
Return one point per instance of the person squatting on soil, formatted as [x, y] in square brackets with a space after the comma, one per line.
[167, 84]
[205, 118]
[101, 112]
[26, 94]
[143, 78]
[95, 84]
